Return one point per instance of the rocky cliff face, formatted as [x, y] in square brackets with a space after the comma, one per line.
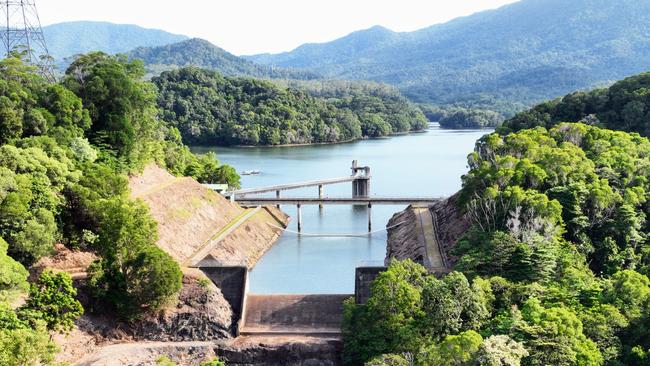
[406, 241]
[201, 314]
[281, 351]
[450, 224]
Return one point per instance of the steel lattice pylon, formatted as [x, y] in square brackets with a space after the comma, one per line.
[21, 32]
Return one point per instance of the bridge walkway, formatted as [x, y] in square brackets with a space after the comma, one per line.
[288, 186]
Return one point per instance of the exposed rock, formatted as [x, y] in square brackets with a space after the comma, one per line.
[201, 313]
[281, 351]
[73, 262]
[406, 240]
[450, 223]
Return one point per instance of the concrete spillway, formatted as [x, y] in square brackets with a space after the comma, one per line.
[293, 314]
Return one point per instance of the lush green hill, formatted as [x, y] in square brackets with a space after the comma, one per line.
[208, 108]
[72, 38]
[201, 53]
[506, 58]
[623, 106]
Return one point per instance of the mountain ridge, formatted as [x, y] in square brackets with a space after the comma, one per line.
[67, 39]
[518, 54]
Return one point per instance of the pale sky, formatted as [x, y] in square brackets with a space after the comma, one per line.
[255, 26]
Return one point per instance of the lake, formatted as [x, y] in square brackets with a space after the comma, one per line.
[421, 164]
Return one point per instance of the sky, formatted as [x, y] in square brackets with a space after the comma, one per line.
[245, 27]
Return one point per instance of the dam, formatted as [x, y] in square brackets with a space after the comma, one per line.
[302, 264]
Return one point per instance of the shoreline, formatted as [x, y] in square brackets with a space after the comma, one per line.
[424, 130]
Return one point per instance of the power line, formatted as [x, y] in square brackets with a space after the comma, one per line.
[22, 33]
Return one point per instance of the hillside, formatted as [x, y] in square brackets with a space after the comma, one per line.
[504, 59]
[210, 109]
[71, 38]
[624, 106]
[201, 53]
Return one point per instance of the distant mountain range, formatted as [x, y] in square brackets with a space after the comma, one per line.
[72, 38]
[503, 59]
[201, 53]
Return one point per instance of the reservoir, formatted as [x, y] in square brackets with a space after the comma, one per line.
[421, 164]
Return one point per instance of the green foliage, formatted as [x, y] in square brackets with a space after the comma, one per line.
[214, 362]
[134, 275]
[210, 109]
[22, 342]
[454, 350]
[529, 191]
[458, 117]
[498, 60]
[624, 106]
[121, 106]
[52, 298]
[388, 360]
[408, 307]
[500, 350]
[13, 276]
[554, 336]
[380, 108]
[165, 361]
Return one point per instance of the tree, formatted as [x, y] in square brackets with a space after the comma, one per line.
[134, 275]
[52, 299]
[23, 343]
[554, 336]
[13, 276]
[454, 350]
[500, 350]
[389, 360]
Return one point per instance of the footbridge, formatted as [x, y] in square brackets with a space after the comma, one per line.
[360, 179]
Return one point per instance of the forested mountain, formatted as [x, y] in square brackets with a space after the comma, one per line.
[201, 53]
[504, 59]
[71, 38]
[552, 271]
[623, 106]
[208, 108]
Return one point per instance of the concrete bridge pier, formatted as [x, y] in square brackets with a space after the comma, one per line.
[299, 215]
[369, 217]
[277, 195]
[321, 190]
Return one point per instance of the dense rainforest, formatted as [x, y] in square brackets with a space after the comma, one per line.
[66, 149]
[554, 270]
[623, 106]
[454, 117]
[208, 108]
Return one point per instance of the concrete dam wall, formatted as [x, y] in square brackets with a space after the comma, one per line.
[293, 314]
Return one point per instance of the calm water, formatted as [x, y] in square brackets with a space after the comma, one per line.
[423, 164]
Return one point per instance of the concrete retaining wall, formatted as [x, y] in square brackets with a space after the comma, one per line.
[233, 282]
[363, 278]
[293, 314]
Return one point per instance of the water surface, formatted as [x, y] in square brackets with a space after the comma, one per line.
[421, 164]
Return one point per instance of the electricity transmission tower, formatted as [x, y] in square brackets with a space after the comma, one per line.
[21, 32]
